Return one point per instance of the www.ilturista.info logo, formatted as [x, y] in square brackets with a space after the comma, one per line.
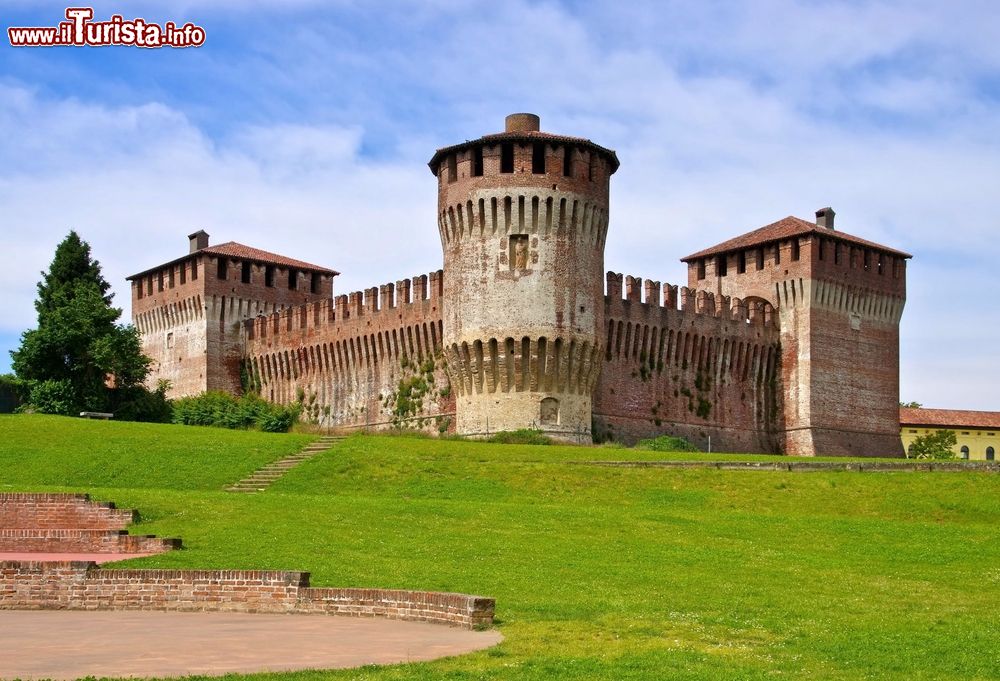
[80, 30]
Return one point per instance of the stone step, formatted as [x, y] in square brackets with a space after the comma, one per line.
[262, 478]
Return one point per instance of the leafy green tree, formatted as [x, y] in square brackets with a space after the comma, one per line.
[937, 445]
[911, 405]
[78, 344]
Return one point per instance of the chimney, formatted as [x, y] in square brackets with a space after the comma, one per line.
[198, 240]
[522, 122]
[824, 217]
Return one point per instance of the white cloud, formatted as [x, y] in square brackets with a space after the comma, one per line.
[725, 118]
[142, 178]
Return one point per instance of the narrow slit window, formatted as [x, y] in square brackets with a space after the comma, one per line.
[170, 277]
[245, 272]
[760, 258]
[538, 158]
[777, 253]
[701, 269]
[836, 253]
[741, 262]
[452, 167]
[477, 162]
[722, 265]
[867, 259]
[182, 269]
[269, 276]
[222, 269]
[293, 279]
[568, 161]
[194, 270]
[795, 249]
[315, 282]
[822, 243]
[506, 157]
[159, 281]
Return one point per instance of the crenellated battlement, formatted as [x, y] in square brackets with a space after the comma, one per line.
[629, 290]
[387, 304]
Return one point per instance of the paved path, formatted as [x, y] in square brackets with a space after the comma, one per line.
[61, 644]
[50, 557]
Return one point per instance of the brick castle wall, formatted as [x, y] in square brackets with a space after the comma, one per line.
[708, 368]
[78, 585]
[370, 358]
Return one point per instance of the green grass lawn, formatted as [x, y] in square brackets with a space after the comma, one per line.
[55, 450]
[599, 573]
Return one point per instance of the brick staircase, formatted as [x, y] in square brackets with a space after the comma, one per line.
[59, 523]
[262, 478]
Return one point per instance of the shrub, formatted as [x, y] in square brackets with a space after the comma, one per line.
[141, 404]
[216, 408]
[667, 443]
[937, 445]
[524, 436]
[13, 392]
[53, 397]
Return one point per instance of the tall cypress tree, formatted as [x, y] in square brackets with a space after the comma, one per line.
[78, 342]
[71, 266]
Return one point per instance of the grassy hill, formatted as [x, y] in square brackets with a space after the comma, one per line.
[599, 573]
[54, 450]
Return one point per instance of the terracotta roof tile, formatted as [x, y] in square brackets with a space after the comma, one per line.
[237, 250]
[949, 418]
[784, 229]
[243, 252]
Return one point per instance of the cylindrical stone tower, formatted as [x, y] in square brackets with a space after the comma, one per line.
[523, 217]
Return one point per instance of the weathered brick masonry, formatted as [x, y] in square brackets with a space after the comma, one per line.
[707, 369]
[190, 310]
[70, 523]
[79, 585]
[786, 339]
[349, 359]
[61, 511]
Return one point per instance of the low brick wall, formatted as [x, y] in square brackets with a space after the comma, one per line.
[61, 511]
[78, 585]
[82, 541]
[424, 606]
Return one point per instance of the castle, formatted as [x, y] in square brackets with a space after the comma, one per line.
[785, 339]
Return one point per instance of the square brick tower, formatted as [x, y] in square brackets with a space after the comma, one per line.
[190, 310]
[839, 299]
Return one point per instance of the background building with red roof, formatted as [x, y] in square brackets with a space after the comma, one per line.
[976, 432]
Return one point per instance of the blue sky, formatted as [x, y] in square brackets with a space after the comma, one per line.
[304, 127]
